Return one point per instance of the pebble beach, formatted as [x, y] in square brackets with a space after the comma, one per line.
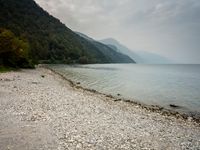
[41, 110]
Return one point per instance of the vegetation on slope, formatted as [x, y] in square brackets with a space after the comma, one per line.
[111, 52]
[49, 40]
[13, 51]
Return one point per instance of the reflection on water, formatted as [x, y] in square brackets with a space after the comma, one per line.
[151, 84]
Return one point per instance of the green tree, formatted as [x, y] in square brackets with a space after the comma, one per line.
[83, 60]
[13, 50]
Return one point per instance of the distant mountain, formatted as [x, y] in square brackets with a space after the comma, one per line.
[152, 58]
[50, 40]
[142, 57]
[109, 51]
[121, 48]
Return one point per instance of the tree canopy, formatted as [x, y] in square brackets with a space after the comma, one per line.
[14, 51]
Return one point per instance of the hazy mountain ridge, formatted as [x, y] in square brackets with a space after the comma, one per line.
[109, 51]
[84, 36]
[50, 40]
[142, 57]
[121, 48]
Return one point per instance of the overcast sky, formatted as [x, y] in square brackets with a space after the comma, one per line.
[167, 27]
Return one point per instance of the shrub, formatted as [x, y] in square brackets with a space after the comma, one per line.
[14, 52]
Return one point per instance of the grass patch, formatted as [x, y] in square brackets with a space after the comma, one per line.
[6, 69]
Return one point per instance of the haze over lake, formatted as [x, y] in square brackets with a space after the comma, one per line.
[150, 84]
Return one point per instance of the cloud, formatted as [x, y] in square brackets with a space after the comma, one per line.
[170, 28]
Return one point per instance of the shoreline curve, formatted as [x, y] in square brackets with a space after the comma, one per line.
[152, 108]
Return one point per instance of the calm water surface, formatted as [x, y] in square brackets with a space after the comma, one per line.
[150, 84]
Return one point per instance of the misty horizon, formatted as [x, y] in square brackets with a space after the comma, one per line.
[167, 28]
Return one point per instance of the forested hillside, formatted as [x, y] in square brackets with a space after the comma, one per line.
[111, 52]
[50, 40]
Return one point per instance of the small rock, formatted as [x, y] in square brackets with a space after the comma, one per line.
[33, 118]
[190, 119]
[174, 106]
[34, 82]
[42, 76]
[110, 96]
[78, 87]
[127, 101]
[79, 146]
[7, 79]
[116, 100]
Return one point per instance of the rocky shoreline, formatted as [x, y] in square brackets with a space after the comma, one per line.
[40, 109]
[154, 108]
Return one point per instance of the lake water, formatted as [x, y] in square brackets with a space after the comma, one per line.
[150, 84]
